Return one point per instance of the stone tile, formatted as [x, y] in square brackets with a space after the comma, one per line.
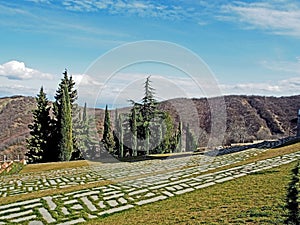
[169, 194]
[35, 222]
[113, 210]
[85, 194]
[22, 219]
[88, 204]
[184, 191]
[46, 215]
[65, 211]
[77, 206]
[71, 222]
[205, 185]
[138, 192]
[14, 215]
[112, 203]
[50, 202]
[150, 200]
[101, 204]
[10, 210]
[113, 196]
[73, 201]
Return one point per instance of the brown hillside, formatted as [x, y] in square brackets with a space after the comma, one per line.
[248, 118]
[15, 115]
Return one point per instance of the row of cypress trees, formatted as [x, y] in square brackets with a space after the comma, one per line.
[52, 137]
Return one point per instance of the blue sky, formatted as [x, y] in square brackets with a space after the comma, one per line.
[251, 47]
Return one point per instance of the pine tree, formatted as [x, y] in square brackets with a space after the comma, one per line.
[150, 126]
[108, 138]
[65, 147]
[38, 143]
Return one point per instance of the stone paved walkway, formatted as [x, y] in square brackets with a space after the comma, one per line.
[145, 182]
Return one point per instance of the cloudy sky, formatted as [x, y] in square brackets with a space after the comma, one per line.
[249, 47]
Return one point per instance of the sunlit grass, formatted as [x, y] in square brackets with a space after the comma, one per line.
[53, 166]
[254, 199]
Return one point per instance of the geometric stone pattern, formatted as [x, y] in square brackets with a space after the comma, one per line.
[32, 182]
[79, 206]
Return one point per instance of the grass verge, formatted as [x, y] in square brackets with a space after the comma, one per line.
[254, 199]
[31, 168]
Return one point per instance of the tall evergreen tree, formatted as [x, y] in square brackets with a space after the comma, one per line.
[179, 137]
[85, 136]
[38, 143]
[65, 147]
[108, 138]
[66, 91]
[121, 137]
[190, 143]
[133, 123]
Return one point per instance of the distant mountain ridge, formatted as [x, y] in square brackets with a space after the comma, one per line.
[248, 118]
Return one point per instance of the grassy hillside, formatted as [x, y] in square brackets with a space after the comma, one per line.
[254, 199]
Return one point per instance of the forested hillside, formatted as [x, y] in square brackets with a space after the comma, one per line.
[248, 118]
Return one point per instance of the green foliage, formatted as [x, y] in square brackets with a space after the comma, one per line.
[40, 130]
[52, 139]
[65, 146]
[292, 203]
[179, 137]
[146, 129]
[133, 123]
[108, 138]
[85, 140]
[63, 110]
[121, 137]
[190, 142]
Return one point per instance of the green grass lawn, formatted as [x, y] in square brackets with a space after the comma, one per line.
[254, 199]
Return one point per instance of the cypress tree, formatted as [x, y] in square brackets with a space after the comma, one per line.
[38, 143]
[107, 139]
[134, 131]
[121, 137]
[190, 144]
[85, 136]
[66, 136]
[179, 137]
[66, 87]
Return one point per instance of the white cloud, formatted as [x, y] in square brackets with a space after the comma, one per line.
[285, 87]
[16, 89]
[16, 70]
[85, 80]
[292, 67]
[40, 1]
[139, 8]
[282, 18]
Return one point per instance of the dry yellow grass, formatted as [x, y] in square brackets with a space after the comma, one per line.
[53, 166]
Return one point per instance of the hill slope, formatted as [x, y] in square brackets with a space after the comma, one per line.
[248, 118]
